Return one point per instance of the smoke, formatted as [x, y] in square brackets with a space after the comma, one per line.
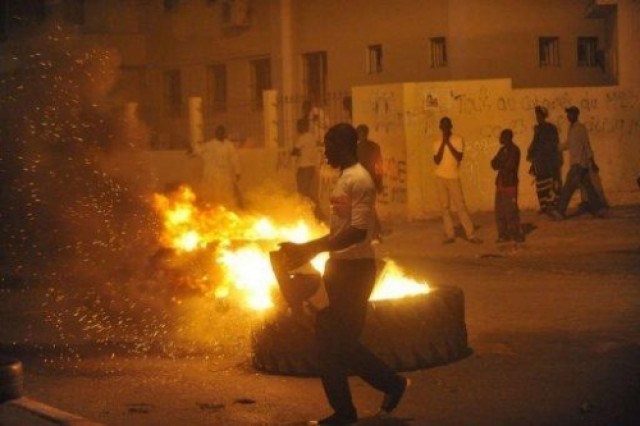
[74, 191]
[76, 219]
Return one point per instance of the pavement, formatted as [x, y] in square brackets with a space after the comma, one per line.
[553, 323]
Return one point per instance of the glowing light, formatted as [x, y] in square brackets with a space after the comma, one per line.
[393, 284]
[232, 251]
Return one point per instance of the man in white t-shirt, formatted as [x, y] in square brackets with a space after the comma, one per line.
[447, 154]
[221, 171]
[349, 278]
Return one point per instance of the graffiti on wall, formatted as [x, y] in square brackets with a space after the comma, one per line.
[479, 115]
[385, 112]
[395, 182]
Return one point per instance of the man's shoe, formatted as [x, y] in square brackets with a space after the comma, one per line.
[335, 420]
[475, 240]
[392, 399]
[448, 241]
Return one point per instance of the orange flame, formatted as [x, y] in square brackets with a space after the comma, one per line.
[236, 250]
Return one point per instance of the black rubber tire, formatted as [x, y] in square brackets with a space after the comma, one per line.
[408, 334]
[11, 378]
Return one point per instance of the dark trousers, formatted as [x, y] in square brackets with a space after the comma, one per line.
[338, 328]
[547, 189]
[507, 212]
[579, 176]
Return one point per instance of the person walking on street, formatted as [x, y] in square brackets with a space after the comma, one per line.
[448, 152]
[546, 160]
[581, 160]
[507, 162]
[349, 278]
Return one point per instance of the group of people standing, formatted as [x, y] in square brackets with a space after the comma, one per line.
[544, 154]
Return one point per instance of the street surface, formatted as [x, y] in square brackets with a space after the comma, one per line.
[554, 328]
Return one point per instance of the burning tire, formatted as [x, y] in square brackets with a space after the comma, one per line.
[408, 334]
[10, 379]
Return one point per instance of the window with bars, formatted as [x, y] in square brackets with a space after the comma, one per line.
[374, 59]
[587, 51]
[261, 75]
[315, 70]
[172, 92]
[549, 51]
[438, 47]
[217, 87]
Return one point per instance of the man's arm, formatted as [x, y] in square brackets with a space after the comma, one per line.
[456, 154]
[437, 158]
[497, 161]
[299, 254]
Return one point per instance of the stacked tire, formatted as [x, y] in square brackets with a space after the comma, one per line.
[408, 334]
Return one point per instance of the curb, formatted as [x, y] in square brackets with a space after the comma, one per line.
[49, 413]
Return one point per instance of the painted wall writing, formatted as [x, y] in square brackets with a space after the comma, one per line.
[480, 110]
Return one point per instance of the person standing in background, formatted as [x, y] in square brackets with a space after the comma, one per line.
[370, 156]
[546, 160]
[221, 172]
[506, 162]
[447, 154]
[581, 160]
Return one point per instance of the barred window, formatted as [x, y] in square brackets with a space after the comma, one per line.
[374, 59]
[261, 75]
[549, 51]
[315, 69]
[438, 52]
[172, 92]
[587, 51]
[217, 87]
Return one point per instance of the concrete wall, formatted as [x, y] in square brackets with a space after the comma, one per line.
[192, 37]
[407, 125]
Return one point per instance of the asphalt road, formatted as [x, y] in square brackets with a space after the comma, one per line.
[554, 328]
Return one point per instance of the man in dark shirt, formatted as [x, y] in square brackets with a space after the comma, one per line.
[546, 160]
[506, 162]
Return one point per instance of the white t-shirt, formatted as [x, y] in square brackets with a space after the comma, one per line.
[448, 167]
[352, 204]
[306, 143]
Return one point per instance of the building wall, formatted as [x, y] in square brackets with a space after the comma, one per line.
[485, 39]
[480, 109]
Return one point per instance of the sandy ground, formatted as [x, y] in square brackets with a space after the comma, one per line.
[554, 328]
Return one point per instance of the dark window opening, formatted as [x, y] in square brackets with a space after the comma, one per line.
[261, 73]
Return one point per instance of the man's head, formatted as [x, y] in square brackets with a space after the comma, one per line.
[340, 145]
[506, 136]
[541, 113]
[572, 113]
[446, 125]
[221, 133]
[363, 132]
